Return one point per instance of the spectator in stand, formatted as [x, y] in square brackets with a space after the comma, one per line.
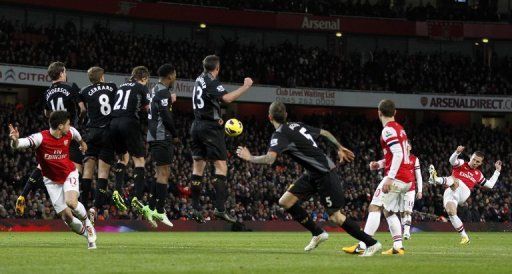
[286, 65]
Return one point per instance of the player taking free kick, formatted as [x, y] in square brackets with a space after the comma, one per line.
[465, 176]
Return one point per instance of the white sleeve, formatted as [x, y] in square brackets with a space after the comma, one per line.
[33, 141]
[390, 137]
[382, 163]
[417, 172]
[492, 181]
[398, 156]
[76, 135]
[455, 161]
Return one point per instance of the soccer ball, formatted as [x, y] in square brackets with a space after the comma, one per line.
[233, 127]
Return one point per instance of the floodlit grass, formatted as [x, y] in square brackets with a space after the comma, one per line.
[247, 252]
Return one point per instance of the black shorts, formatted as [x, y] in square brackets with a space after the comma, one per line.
[75, 154]
[126, 136]
[208, 141]
[161, 152]
[99, 145]
[328, 186]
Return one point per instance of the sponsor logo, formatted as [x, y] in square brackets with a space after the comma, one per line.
[273, 142]
[467, 103]
[333, 24]
[424, 101]
[10, 74]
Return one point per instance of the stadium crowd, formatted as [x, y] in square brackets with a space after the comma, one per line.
[286, 64]
[254, 190]
[486, 10]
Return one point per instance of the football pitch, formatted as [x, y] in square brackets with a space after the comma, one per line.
[246, 252]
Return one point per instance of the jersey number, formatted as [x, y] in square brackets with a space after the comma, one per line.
[308, 136]
[200, 102]
[407, 155]
[105, 108]
[59, 105]
[120, 96]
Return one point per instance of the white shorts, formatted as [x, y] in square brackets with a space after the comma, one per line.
[408, 201]
[56, 191]
[458, 196]
[377, 195]
[393, 199]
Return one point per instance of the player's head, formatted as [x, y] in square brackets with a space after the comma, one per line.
[476, 159]
[167, 72]
[60, 120]
[140, 74]
[277, 112]
[211, 63]
[96, 75]
[57, 71]
[386, 109]
[409, 148]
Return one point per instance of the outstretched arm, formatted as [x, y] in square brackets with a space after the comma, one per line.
[266, 159]
[492, 181]
[454, 159]
[33, 140]
[232, 96]
[344, 153]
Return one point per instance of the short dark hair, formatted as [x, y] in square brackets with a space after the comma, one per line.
[166, 69]
[95, 74]
[278, 112]
[478, 153]
[55, 69]
[58, 118]
[138, 73]
[387, 108]
[211, 62]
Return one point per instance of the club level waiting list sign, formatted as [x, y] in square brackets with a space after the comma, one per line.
[37, 76]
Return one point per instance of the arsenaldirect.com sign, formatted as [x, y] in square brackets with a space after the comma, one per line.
[37, 76]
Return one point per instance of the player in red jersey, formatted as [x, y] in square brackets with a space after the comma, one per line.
[60, 175]
[407, 203]
[465, 176]
[397, 181]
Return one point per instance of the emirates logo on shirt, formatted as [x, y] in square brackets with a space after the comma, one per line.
[66, 142]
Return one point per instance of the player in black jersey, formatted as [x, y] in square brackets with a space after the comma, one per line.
[61, 95]
[126, 134]
[207, 134]
[98, 99]
[298, 141]
[161, 130]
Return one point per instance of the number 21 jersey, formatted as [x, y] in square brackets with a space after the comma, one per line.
[131, 97]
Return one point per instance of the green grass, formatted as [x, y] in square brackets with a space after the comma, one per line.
[249, 252]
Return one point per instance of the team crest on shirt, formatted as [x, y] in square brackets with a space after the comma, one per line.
[220, 89]
[165, 102]
[66, 142]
